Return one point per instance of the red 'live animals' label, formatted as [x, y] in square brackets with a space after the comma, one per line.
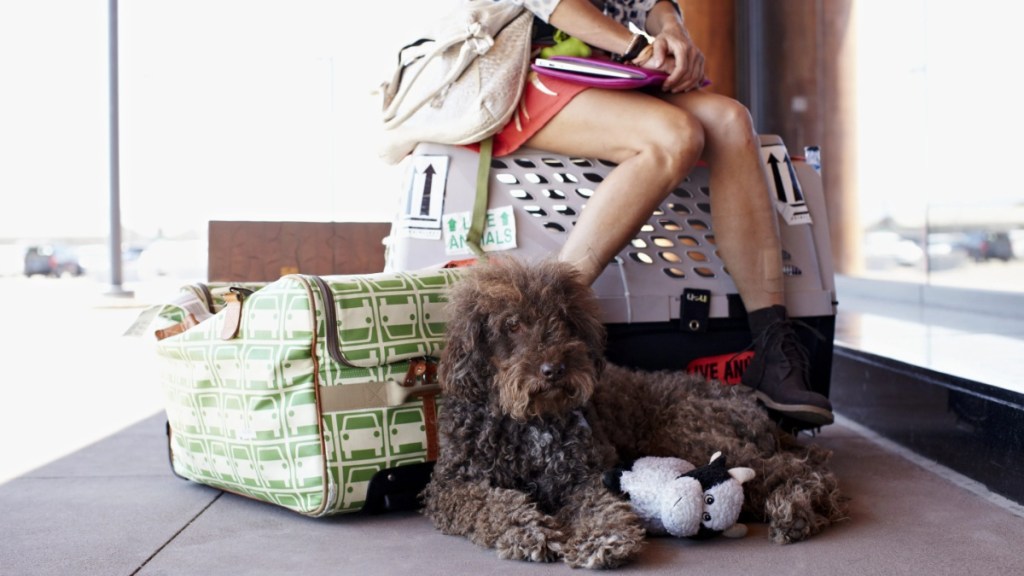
[726, 368]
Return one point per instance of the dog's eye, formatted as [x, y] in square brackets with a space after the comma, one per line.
[709, 499]
[512, 324]
[707, 517]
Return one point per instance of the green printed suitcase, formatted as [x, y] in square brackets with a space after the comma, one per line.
[318, 394]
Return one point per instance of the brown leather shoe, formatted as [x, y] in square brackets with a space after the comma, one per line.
[778, 373]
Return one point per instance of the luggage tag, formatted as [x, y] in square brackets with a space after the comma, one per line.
[695, 309]
[194, 309]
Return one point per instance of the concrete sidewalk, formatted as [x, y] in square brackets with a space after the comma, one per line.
[114, 508]
[70, 376]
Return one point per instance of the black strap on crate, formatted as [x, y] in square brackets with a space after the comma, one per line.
[694, 310]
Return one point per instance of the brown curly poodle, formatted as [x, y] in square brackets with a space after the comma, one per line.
[532, 415]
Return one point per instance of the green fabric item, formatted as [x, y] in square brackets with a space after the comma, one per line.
[312, 397]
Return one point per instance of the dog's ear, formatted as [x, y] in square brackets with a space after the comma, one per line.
[585, 314]
[593, 332]
[464, 368]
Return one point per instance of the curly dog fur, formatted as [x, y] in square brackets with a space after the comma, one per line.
[532, 416]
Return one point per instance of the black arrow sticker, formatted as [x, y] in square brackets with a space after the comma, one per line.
[428, 186]
[780, 186]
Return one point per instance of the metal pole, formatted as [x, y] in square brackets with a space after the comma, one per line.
[115, 167]
[750, 64]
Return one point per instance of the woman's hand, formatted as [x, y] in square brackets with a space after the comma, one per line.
[675, 54]
[672, 51]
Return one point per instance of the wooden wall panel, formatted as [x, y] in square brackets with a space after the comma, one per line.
[795, 76]
[712, 25]
[840, 137]
[808, 57]
[265, 251]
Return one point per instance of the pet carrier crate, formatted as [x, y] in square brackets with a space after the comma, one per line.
[667, 299]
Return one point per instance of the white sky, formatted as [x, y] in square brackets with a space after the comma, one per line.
[262, 109]
[940, 113]
[230, 109]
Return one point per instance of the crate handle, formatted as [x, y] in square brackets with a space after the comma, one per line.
[625, 289]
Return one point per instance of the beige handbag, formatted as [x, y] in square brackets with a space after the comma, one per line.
[462, 83]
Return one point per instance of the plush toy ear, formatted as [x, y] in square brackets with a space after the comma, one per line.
[612, 480]
[742, 475]
[735, 531]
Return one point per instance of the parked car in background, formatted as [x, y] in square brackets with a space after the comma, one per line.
[1017, 239]
[12, 260]
[982, 246]
[95, 258]
[52, 260]
[884, 249]
[180, 260]
[946, 251]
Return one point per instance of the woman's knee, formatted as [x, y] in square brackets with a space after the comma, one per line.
[678, 141]
[728, 120]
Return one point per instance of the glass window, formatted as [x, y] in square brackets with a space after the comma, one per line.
[940, 123]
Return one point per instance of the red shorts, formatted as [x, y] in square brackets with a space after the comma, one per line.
[543, 97]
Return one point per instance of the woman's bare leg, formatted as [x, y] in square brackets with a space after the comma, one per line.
[746, 231]
[743, 217]
[654, 144]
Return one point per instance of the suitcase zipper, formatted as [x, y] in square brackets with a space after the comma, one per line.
[422, 371]
[331, 318]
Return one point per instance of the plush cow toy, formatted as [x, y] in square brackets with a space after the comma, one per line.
[673, 497]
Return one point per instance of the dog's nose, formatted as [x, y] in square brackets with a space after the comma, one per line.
[552, 370]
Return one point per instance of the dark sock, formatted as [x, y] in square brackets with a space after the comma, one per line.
[763, 317]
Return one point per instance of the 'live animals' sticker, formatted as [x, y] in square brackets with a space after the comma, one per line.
[499, 231]
[726, 368]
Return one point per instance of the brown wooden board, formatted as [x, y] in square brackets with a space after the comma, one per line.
[265, 251]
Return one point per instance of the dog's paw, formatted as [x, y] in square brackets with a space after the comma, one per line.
[535, 542]
[603, 551]
[790, 520]
[793, 530]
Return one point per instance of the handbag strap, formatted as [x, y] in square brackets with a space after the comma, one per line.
[392, 117]
[483, 177]
[391, 88]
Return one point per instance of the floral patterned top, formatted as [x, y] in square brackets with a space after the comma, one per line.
[624, 11]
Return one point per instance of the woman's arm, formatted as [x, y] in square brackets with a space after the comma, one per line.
[580, 18]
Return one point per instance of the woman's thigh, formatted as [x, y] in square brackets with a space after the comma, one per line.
[616, 124]
[723, 119]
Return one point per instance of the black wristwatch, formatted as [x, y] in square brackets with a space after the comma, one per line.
[636, 46]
